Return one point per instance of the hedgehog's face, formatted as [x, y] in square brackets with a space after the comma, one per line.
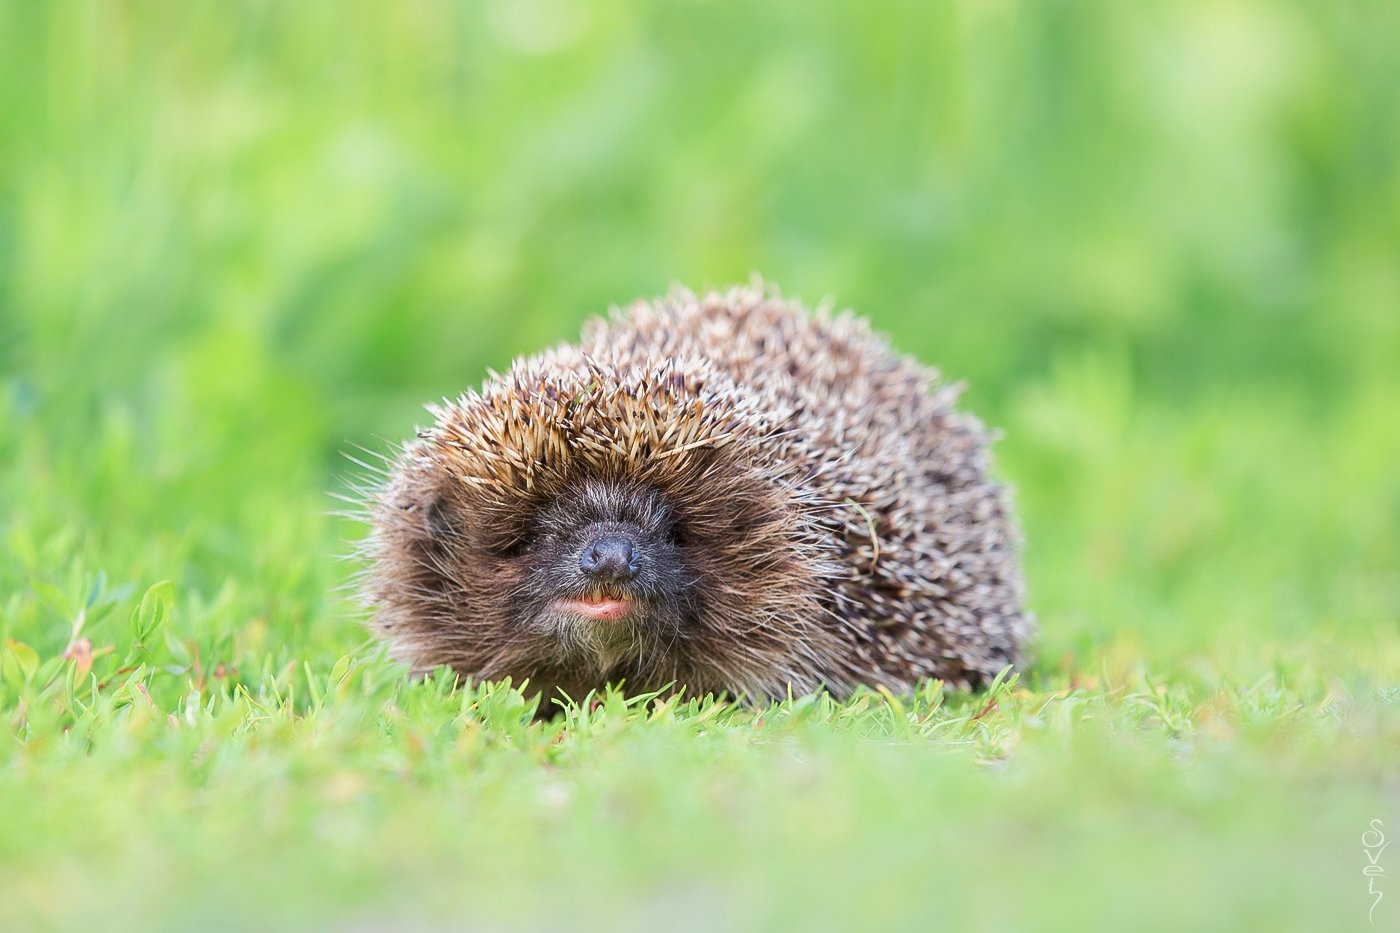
[602, 573]
[577, 525]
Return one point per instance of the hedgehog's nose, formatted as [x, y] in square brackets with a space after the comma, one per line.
[610, 558]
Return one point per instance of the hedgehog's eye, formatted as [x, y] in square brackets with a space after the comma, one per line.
[506, 541]
[436, 523]
[677, 534]
[512, 548]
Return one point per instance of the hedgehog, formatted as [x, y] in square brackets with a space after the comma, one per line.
[720, 494]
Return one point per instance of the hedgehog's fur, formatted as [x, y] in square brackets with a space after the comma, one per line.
[812, 512]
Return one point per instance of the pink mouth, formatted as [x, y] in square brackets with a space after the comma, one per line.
[603, 609]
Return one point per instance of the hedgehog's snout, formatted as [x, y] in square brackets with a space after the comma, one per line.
[612, 558]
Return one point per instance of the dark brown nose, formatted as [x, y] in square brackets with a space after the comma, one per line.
[612, 558]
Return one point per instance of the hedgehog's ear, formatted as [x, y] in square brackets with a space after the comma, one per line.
[426, 523]
[436, 523]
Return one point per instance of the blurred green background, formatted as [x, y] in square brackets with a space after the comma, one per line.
[1161, 241]
[1158, 239]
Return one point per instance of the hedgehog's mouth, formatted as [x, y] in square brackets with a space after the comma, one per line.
[602, 605]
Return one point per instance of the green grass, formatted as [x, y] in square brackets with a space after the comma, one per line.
[1157, 238]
